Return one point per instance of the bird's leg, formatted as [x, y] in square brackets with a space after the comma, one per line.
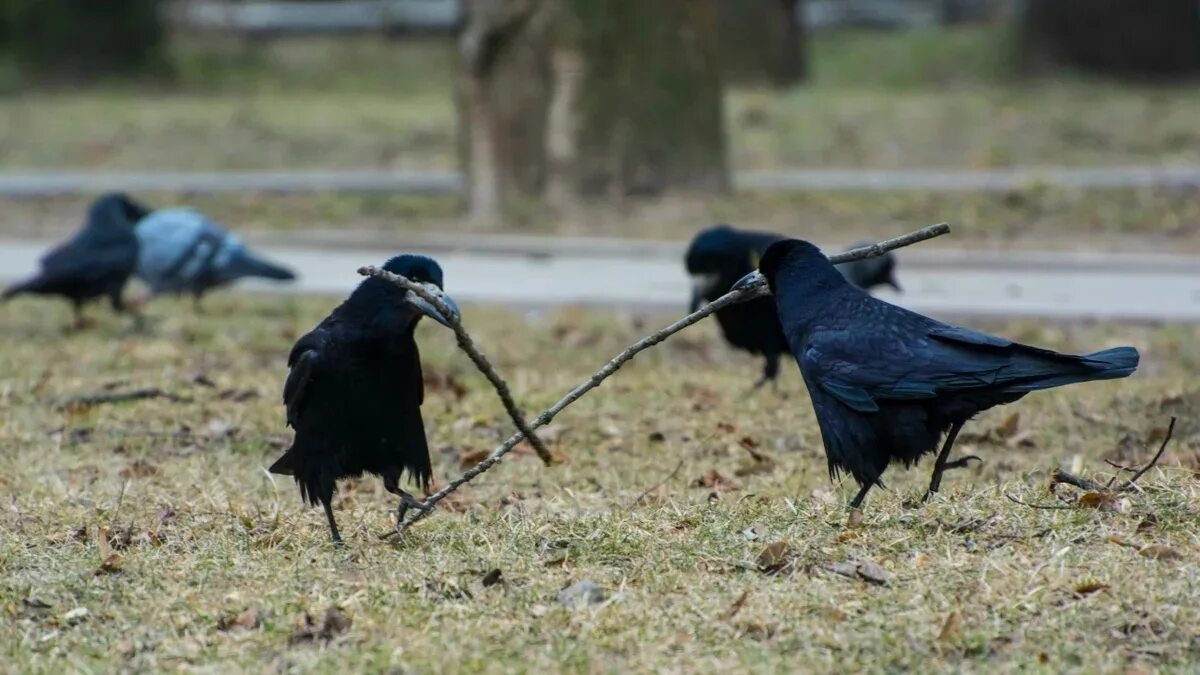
[862, 493]
[941, 466]
[337, 538]
[391, 483]
[770, 372]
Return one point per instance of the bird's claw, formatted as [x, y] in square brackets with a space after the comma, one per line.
[962, 462]
[407, 502]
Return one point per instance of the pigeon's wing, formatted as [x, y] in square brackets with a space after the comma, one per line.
[864, 366]
[304, 361]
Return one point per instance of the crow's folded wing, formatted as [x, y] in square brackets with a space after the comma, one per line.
[304, 361]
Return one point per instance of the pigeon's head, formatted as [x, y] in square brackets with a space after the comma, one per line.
[791, 263]
[871, 272]
[428, 273]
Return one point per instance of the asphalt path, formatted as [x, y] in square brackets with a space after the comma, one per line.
[651, 277]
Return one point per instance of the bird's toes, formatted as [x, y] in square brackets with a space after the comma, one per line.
[963, 462]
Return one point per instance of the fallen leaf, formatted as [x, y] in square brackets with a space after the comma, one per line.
[1122, 541]
[1150, 522]
[1159, 552]
[855, 518]
[873, 573]
[492, 578]
[247, 619]
[330, 626]
[845, 568]
[1104, 501]
[714, 480]
[1009, 428]
[581, 594]
[737, 605]
[1089, 587]
[111, 564]
[75, 615]
[952, 629]
[1021, 439]
[469, 458]
[774, 558]
[140, 469]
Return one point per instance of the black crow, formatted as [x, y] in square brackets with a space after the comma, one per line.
[182, 251]
[96, 262]
[886, 383]
[719, 256]
[354, 392]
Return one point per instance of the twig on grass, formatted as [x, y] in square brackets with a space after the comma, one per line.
[468, 345]
[652, 488]
[1061, 476]
[89, 400]
[741, 295]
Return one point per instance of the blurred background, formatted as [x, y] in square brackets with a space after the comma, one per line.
[535, 126]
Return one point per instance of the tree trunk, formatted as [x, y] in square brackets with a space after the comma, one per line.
[566, 99]
[763, 40]
[1125, 38]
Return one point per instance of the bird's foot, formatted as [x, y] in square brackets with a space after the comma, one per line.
[407, 502]
[961, 463]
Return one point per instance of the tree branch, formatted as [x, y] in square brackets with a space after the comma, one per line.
[748, 293]
[1059, 476]
[468, 345]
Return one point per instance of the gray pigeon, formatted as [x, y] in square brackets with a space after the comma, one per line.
[182, 251]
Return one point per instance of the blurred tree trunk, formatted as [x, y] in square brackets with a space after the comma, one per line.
[763, 40]
[83, 38]
[561, 100]
[1126, 38]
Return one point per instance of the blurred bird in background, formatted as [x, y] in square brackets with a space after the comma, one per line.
[886, 383]
[355, 390]
[183, 251]
[721, 255]
[96, 262]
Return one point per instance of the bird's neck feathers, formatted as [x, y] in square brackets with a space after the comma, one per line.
[380, 305]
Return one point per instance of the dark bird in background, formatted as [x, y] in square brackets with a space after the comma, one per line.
[355, 390]
[96, 262]
[182, 251]
[886, 383]
[719, 256]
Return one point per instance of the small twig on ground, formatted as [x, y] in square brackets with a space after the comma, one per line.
[652, 488]
[1047, 507]
[1061, 476]
[748, 293]
[89, 400]
[468, 345]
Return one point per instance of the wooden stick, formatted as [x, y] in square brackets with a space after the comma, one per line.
[741, 295]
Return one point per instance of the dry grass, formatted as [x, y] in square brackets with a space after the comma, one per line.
[973, 581]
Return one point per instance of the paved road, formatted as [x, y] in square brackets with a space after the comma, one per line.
[53, 183]
[1095, 286]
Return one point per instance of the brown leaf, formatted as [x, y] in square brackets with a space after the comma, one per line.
[1159, 552]
[726, 427]
[714, 480]
[774, 558]
[737, 605]
[469, 458]
[749, 443]
[247, 619]
[855, 518]
[1150, 522]
[1122, 541]
[140, 469]
[873, 573]
[1010, 426]
[1105, 501]
[1021, 439]
[111, 564]
[1089, 587]
[952, 629]
[330, 626]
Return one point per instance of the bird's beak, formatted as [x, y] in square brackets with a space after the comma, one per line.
[697, 300]
[891, 281]
[754, 281]
[429, 310]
